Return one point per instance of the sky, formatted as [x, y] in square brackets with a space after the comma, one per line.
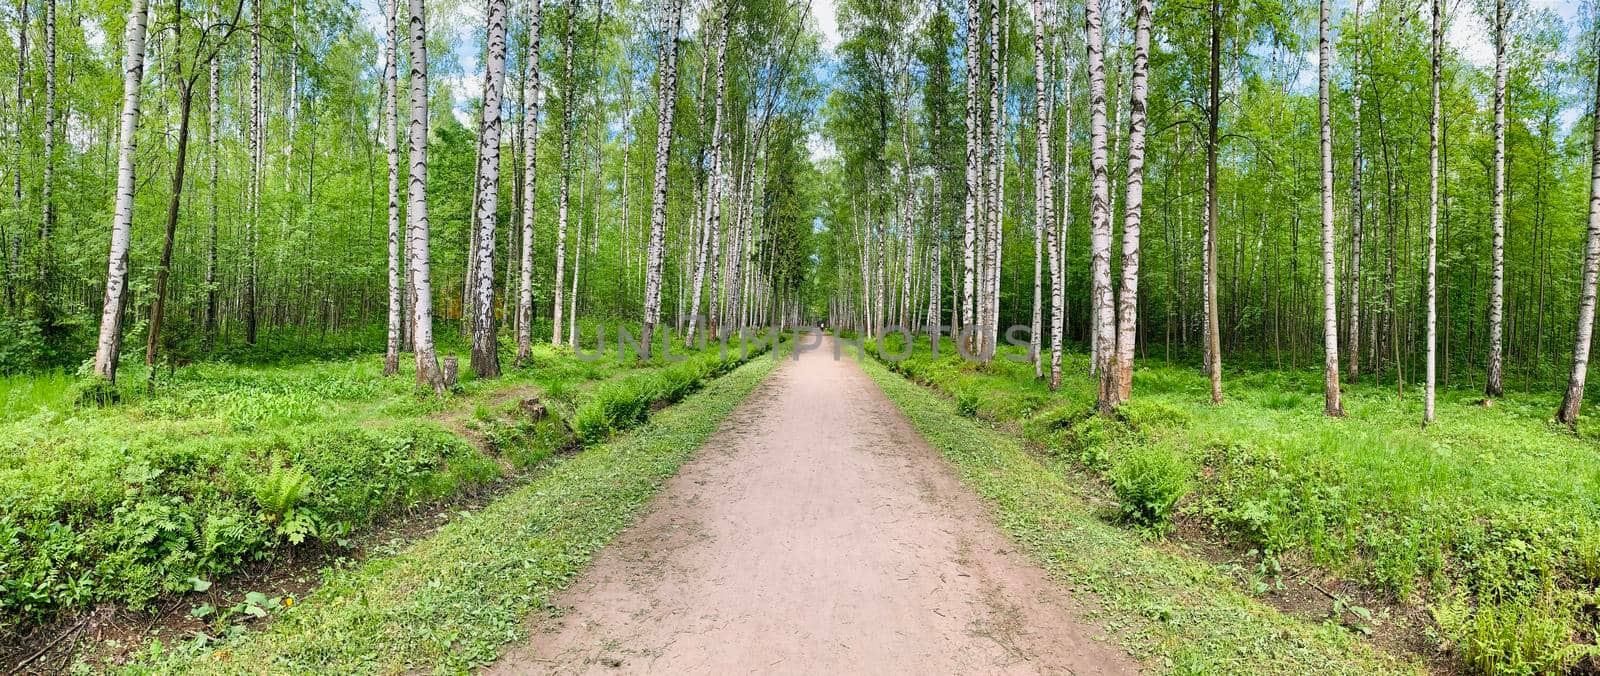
[1467, 33]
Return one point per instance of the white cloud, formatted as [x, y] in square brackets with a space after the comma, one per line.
[820, 147]
[827, 22]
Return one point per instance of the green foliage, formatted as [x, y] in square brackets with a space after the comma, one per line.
[1511, 638]
[1163, 607]
[477, 579]
[280, 496]
[1491, 505]
[1149, 480]
[22, 345]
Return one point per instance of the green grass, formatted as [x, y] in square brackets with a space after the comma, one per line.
[1486, 520]
[165, 491]
[450, 602]
[1175, 613]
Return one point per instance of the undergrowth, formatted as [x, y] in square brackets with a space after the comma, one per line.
[225, 465]
[1487, 519]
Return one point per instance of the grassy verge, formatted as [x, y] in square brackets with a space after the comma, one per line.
[226, 467]
[451, 601]
[1483, 528]
[1174, 612]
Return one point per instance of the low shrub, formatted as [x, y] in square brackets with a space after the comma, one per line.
[1513, 638]
[186, 509]
[1149, 480]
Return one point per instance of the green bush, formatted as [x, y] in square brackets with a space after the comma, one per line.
[1510, 638]
[1149, 480]
[22, 345]
[178, 510]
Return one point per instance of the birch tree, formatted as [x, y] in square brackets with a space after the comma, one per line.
[391, 141]
[1433, 219]
[214, 156]
[969, 302]
[1118, 382]
[485, 346]
[568, 99]
[109, 346]
[666, 97]
[1209, 256]
[1357, 205]
[1330, 309]
[428, 373]
[1042, 198]
[48, 217]
[253, 189]
[1493, 382]
[1099, 205]
[530, 172]
[711, 217]
[1573, 398]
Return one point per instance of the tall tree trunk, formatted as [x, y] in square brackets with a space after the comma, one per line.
[1213, 113]
[1358, 206]
[180, 164]
[712, 208]
[1573, 399]
[213, 157]
[568, 99]
[1104, 329]
[1433, 219]
[110, 340]
[996, 191]
[14, 253]
[1494, 385]
[48, 217]
[428, 372]
[1117, 382]
[530, 170]
[391, 140]
[969, 303]
[666, 95]
[1043, 181]
[1058, 243]
[1330, 308]
[257, 150]
[485, 343]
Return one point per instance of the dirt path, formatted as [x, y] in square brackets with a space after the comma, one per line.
[816, 532]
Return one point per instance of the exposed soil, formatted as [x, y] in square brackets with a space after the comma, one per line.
[815, 532]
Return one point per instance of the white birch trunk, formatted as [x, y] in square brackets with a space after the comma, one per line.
[1100, 202]
[712, 208]
[1044, 181]
[569, 98]
[257, 151]
[428, 372]
[485, 346]
[666, 98]
[48, 217]
[530, 167]
[391, 140]
[1330, 310]
[1357, 205]
[1494, 383]
[213, 118]
[1433, 219]
[1119, 380]
[967, 311]
[110, 341]
[1209, 263]
[1573, 399]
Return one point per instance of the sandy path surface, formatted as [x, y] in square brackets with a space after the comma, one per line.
[815, 532]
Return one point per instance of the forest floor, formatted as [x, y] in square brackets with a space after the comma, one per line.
[176, 520]
[816, 532]
[1472, 545]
